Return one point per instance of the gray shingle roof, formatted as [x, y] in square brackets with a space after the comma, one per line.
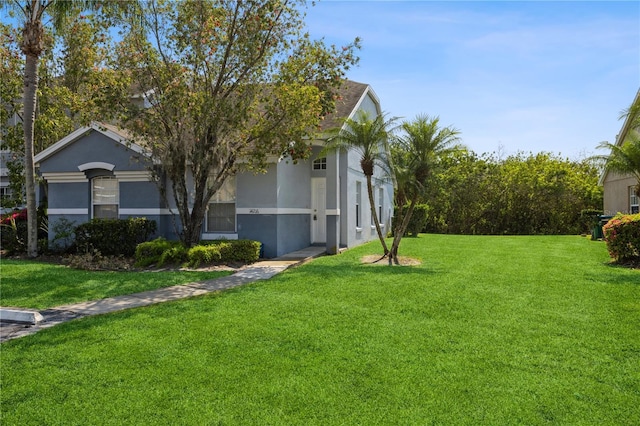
[350, 94]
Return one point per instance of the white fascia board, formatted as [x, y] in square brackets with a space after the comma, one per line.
[362, 98]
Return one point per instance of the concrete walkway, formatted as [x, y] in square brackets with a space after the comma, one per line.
[261, 270]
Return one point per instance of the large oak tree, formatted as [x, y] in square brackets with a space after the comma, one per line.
[224, 83]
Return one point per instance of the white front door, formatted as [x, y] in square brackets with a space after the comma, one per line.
[318, 207]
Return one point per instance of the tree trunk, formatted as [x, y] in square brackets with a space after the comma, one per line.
[399, 231]
[29, 104]
[374, 214]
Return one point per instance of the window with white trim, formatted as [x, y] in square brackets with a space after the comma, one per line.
[373, 222]
[320, 164]
[105, 197]
[221, 213]
[358, 204]
[634, 207]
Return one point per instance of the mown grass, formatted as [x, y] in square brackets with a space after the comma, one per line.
[488, 330]
[37, 285]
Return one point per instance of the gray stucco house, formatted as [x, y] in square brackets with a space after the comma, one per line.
[96, 172]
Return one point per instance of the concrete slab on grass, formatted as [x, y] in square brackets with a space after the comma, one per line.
[20, 316]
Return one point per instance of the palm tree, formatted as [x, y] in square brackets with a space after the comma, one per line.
[416, 154]
[369, 137]
[32, 45]
[623, 159]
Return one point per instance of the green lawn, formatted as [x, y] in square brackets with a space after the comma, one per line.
[29, 284]
[488, 330]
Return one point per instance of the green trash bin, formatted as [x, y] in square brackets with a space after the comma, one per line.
[597, 232]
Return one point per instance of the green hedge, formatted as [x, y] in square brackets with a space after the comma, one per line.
[418, 219]
[622, 235]
[161, 251]
[114, 236]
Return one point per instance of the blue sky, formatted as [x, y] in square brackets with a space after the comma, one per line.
[510, 75]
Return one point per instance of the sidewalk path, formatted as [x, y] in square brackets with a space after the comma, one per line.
[258, 271]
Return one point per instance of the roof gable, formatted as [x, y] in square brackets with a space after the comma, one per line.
[112, 132]
[352, 94]
[622, 136]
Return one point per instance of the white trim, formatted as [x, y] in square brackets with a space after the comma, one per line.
[134, 176]
[65, 177]
[218, 236]
[145, 212]
[68, 211]
[96, 165]
[332, 212]
[271, 210]
[356, 108]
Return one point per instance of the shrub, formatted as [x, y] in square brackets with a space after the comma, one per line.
[161, 252]
[13, 231]
[176, 254]
[622, 235]
[418, 219]
[204, 254]
[245, 251]
[114, 236]
[149, 252]
[63, 235]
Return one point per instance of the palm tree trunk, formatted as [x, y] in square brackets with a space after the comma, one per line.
[400, 230]
[30, 99]
[374, 215]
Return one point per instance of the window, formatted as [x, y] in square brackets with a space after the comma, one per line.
[105, 197]
[358, 204]
[221, 214]
[380, 204]
[373, 223]
[634, 207]
[320, 164]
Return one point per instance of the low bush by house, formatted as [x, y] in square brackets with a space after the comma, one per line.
[622, 235]
[161, 252]
[114, 236]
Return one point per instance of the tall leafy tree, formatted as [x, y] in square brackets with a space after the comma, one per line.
[369, 137]
[224, 82]
[418, 153]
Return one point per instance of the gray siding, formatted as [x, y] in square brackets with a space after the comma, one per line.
[75, 195]
[93, 147]
[140, 195]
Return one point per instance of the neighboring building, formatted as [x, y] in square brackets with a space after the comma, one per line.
[95, 172]
[5, 190]
[619, 190]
